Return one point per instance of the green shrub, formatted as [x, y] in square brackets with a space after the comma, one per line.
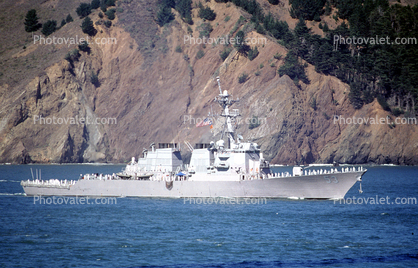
[313, 103]
[367, 96]
[225, 53]
[204, 30]
[179, 49]
[207, 13]
[254, 123]
[69, 18]
[164, 15]
[242, 78]
[355, 95]
[325, 28]
[240, 44]
[95, 4]
[84, 46]
[88, 27]
[110, 14]
[49, 27]
[238, 24]
[110, 3]
[184, 7]
[72, 55]
[260, 29]
[308, 10]
[277, 56]
[293, 68]
[382, 101]
[397, 112]
[94, 79]
[253, 53]
[83, 10]
[328, 9]
[107, 23]
[31, 21]
[200, 54]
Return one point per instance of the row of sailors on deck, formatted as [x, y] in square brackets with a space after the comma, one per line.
[319, 172]
[97, 176]
[51, 182]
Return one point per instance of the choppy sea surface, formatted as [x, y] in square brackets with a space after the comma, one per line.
[156, 232]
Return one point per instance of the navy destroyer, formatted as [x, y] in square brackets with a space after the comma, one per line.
[228, 167]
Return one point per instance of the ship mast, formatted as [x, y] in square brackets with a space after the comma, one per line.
[225, 102]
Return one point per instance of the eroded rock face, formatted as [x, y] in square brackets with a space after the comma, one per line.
[42, 128]
[154, 94]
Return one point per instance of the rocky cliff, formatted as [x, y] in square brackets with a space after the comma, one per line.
[153, 87]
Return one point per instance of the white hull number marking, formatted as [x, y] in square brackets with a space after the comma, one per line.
[331, 179]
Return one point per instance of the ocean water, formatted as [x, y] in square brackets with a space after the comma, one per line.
[147, 232]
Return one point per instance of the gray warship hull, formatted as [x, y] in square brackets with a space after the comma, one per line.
[298, 187]
[231, 168]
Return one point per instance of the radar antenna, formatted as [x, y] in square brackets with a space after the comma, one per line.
[225, 101]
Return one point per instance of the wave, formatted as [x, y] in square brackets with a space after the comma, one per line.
[23, 194]
[8, 181]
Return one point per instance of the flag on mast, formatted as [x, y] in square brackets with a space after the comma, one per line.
[205, 122]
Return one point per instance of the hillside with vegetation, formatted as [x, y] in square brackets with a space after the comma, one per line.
[154, 81]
